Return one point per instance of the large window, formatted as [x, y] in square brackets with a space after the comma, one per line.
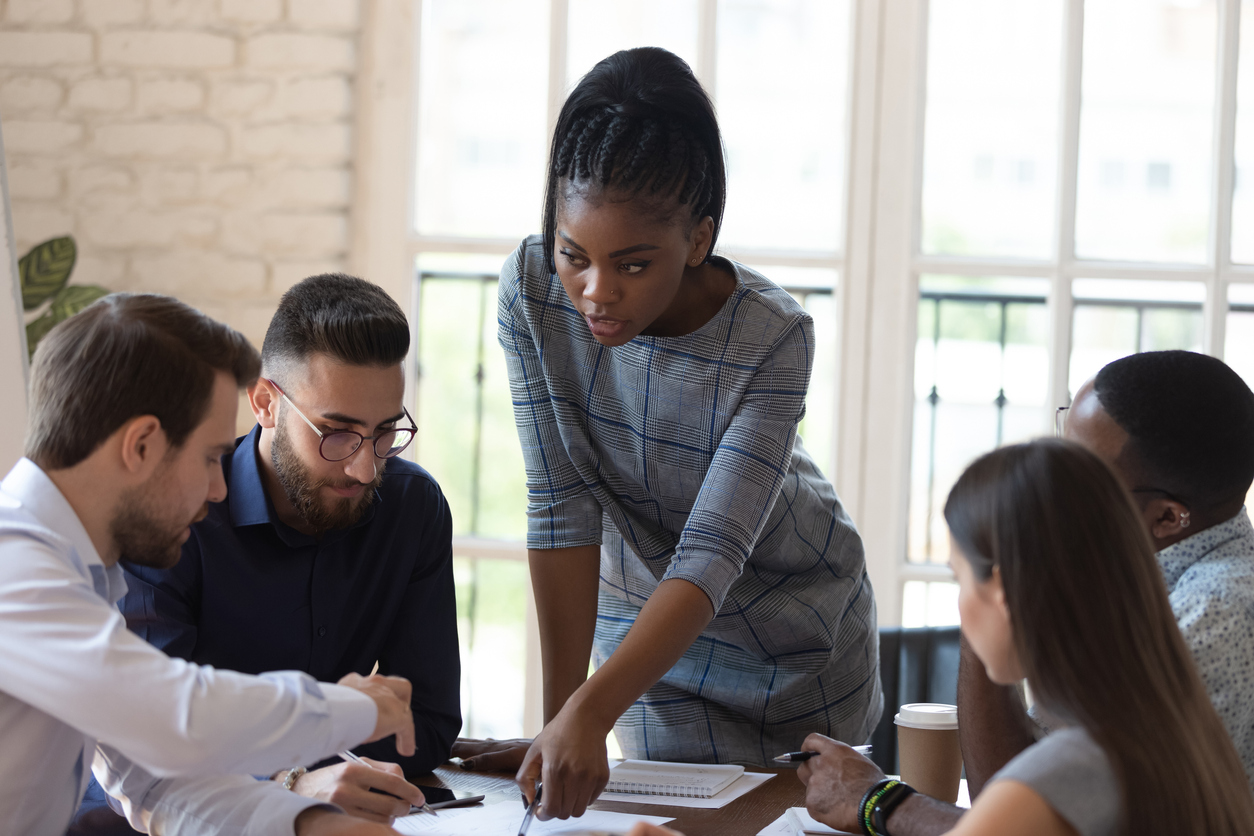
[1087, 149]
[980, 201]
[491, 76]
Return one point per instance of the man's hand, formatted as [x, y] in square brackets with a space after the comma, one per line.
[491, 755]
[349, 786]
[568, 755]
[836, 779]
[391, 696]
[316, 822]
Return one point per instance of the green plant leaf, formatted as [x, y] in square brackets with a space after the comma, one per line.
[37, 330]
[45, 270]
[73, 298]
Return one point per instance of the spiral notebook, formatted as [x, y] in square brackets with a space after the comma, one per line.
[687, 780]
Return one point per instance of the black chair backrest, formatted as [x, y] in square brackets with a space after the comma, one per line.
[916, 665]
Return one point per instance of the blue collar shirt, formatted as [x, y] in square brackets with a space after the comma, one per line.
[253, 594]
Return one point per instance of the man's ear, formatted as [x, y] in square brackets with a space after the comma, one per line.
[144, 445]
[263, 399]
[1167, 519]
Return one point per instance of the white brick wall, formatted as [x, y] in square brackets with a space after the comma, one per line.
[194, 147]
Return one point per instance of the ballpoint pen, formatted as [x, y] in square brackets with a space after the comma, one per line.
[351, 758]
[798, 757]
[531, 809]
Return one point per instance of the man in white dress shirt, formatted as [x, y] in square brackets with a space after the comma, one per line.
[132, 406]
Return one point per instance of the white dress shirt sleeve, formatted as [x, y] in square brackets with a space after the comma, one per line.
[80, 664]
[237, 805]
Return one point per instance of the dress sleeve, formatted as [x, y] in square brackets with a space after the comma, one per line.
[422, 646]
[747, 470]
[1073, 775]
[561, 510]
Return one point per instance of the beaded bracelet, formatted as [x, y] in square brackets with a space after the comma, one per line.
[879, 801]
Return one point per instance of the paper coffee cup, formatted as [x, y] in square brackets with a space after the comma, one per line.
[927, 743]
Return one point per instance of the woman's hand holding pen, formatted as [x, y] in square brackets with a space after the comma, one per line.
[391, 696]
[569, 757]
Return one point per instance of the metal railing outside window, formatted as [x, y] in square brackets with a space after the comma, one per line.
[467, 440]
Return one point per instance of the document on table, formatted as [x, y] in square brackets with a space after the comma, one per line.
[504, 818]
[725, 796]
[797, 822]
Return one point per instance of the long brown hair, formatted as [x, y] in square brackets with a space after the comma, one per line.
[1095, 633]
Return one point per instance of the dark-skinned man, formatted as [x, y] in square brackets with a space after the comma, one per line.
[1178, 429]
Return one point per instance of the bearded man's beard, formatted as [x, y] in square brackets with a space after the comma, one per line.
[144, 536]
[303, 490]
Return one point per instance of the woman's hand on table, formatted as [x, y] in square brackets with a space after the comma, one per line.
[836, 779]
[569, 757]
[491, 755]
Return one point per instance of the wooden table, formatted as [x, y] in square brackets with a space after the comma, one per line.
[743, 817]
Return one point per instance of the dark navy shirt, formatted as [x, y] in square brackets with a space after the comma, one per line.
[252, 594]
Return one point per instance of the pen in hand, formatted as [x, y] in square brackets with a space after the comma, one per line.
[351, 758]
[531, 809]
[798, 757]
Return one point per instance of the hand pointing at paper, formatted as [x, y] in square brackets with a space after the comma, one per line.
[391, 697]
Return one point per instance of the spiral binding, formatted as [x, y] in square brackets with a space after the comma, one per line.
[636, 788]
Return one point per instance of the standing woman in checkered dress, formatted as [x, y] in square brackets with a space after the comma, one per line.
[679, 533]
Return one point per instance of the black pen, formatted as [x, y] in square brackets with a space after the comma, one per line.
[798, 757]
[352, 758]
[530, 808]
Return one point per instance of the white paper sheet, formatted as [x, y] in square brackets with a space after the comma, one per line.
[795, 819]
[503, 820]
[725, 796]
[792, 823]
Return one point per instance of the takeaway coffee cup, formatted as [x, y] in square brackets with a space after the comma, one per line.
[927, 742]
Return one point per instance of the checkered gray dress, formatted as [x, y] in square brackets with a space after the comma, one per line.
[679, 456]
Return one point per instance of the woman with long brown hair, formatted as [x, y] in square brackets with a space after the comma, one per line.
[1058, 585]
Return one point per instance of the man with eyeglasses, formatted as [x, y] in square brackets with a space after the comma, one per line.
[1178, 429]
[330, 553]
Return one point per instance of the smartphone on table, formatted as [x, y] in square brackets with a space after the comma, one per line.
[441, 798]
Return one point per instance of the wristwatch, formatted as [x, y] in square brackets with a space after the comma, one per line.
[292, 776]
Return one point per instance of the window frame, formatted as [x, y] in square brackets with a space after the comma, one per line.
[904, 89]
[879, 265]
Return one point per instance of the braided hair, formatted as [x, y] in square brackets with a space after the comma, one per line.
[639, 123]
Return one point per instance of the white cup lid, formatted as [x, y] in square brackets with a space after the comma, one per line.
[928, 715]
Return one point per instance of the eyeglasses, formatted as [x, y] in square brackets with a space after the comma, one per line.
[1060, 420]
[339, 445]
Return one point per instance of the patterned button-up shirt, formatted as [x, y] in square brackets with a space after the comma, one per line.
[1210, 581]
